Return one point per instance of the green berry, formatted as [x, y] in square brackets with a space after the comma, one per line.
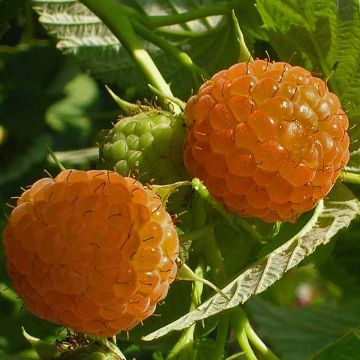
[152, 141]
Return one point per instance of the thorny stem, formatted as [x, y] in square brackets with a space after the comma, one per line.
[194, 14]
[350, 178]
[118, 22]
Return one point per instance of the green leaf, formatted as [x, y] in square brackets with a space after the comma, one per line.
[8, 10]
[296, 334]
[82, 34]
[330, 216]
[322, 35]
[348, 347]
[236, 247]
[43, 348]
[342, 268]
[70, 116]
[34, 154]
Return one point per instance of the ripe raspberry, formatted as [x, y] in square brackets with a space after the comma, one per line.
[267, 139]
[154, 139]
[91, 250]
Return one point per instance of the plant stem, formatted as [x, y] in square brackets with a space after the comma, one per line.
[258, 343]
[128, 108]
[233, 221]
[241, 318]
[350, 178]
[186, 274]
[222, 331]
[194, 14]
[192, 34]
[172, 99]
[238, 322]
[187, 336]
[245, 54]
[56, 160]
[193, 235]
[180, 56]
[118, 22]
[111, 346]
[29, 23]
[236, 356]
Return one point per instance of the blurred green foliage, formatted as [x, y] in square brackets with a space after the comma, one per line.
[47, 100]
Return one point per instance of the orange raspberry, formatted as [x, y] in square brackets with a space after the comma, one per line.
[91, 250]
[267, 139]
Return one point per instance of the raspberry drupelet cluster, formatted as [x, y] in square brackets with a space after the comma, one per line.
[91, 250]
[268, 139]
[153, 139]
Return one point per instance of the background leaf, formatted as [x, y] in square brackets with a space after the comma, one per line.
[324, 36]
[348, 347]
[9, 9]
[83, 35]
[295, 334]
[330, 216]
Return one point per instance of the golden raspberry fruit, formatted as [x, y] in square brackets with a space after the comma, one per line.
[267, 139]
[91, 250]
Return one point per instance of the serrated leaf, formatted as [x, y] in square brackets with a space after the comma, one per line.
[330, 216]
[82, 34]
[320, 35]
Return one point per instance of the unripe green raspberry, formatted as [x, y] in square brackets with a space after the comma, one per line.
[152, 141]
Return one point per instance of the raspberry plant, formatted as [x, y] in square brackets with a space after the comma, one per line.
[229, 158]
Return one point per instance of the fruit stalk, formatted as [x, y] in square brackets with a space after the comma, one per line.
[185, 342]
[238, 322]
[195, 14]
[257, 342]
[350, 178]
[204, 193]
[118, 22]
[177, 54]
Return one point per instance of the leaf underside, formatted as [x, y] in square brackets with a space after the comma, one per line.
[81, 33]
[330, 216]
